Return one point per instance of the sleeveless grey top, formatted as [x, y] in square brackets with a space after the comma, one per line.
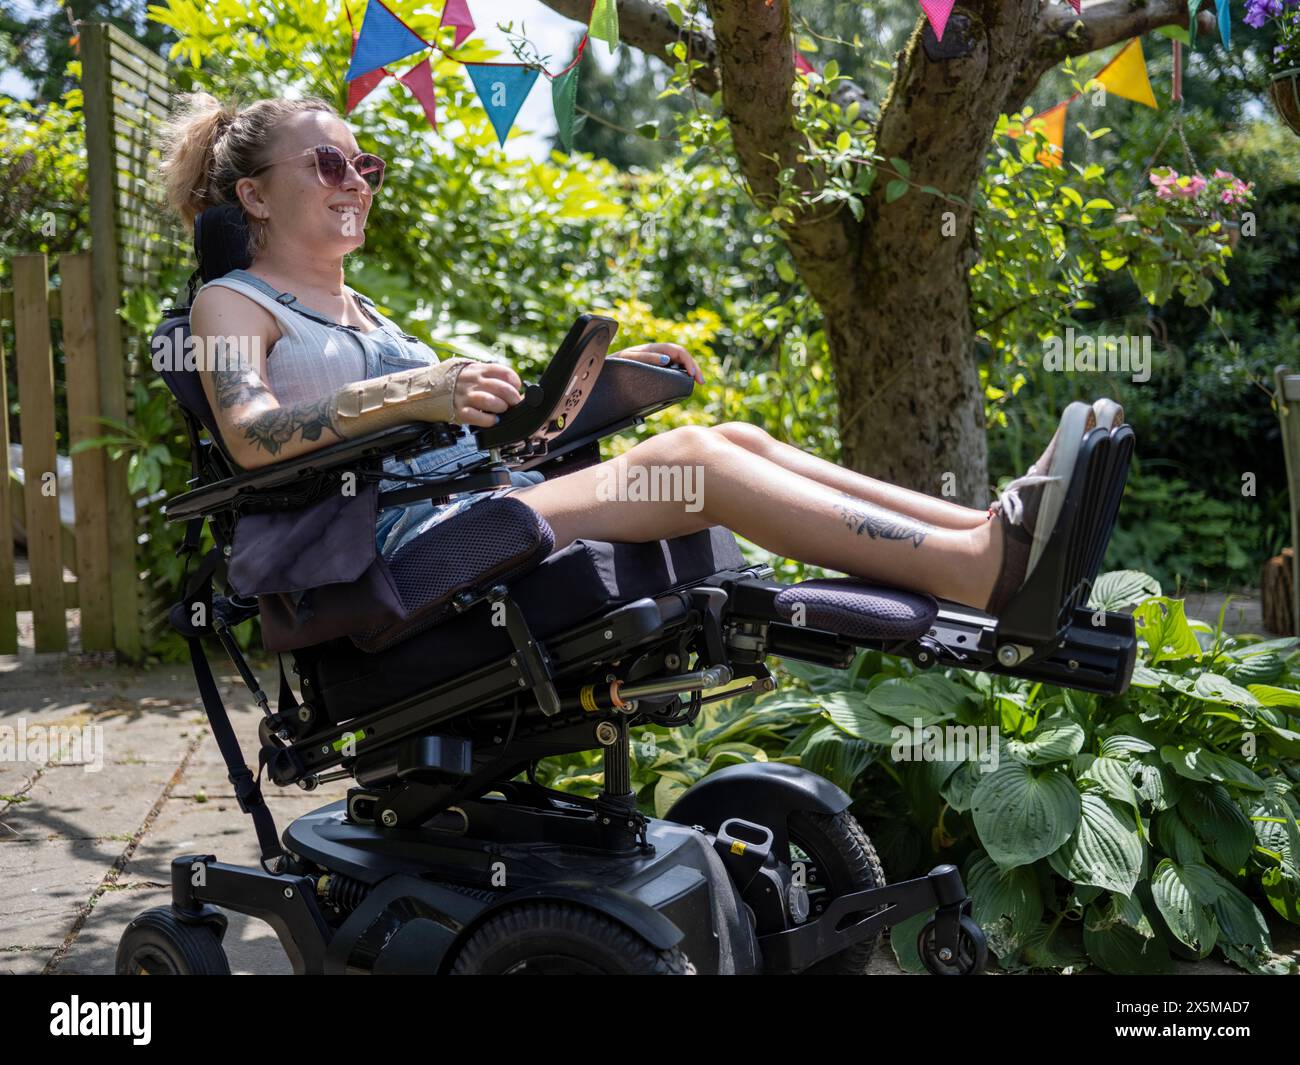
[315, 356]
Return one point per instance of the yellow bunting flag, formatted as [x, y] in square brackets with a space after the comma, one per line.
[1126, 75]
[1051, 124]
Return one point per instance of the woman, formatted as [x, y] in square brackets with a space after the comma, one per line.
[334, 368]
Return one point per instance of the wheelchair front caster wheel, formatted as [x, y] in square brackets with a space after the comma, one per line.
[970, 957]
[158, 943]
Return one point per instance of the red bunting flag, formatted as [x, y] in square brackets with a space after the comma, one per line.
[801, 64]
[1077, 5]
[419, 79]
[456, 13]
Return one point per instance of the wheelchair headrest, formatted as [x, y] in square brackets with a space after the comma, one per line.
[221, 241]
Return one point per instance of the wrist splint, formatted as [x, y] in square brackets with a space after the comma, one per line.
[424, 394]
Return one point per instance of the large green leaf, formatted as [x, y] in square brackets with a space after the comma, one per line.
[1219, 823]
[850, 712]
[1202, 763]
[1057, 739]
[1121, 588]
[1122, 745]
[1022, 814]
[1213, 688]
[1163, 624]
[1117, 947]
[926, 698]
[1113, 776]
[1269, 695]
[1105, 849]
[1185, 895]
[999, 892]
[1176, 839]
[1156, 784]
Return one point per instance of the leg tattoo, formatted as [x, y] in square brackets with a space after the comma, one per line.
[879, 523]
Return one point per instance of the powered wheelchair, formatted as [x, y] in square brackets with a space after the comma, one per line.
[448, 855]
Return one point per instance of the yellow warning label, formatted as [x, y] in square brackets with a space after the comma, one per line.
[587, 696]
[737, 846]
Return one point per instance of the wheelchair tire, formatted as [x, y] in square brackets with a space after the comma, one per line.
[972, 950]
[157, 943]
[561, 939]
[840, 861]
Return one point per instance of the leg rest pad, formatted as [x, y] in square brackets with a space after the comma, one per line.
[856, 610]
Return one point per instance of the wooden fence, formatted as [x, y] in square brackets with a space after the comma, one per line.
[127, 93]
[32, 306]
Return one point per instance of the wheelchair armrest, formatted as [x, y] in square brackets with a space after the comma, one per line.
[300, 480]
[626, 393]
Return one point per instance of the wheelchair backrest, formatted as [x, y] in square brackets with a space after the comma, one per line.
[220, 246]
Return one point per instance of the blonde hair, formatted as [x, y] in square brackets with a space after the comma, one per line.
[208, 146]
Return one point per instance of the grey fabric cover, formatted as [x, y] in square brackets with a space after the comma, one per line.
[857, 610]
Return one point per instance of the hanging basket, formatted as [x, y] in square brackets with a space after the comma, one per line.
[1285, 91]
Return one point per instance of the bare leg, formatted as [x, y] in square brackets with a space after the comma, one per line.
[918, 505]
[776, 508]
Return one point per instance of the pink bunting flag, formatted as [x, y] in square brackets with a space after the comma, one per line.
[419, 79]
[1077, 5]
[360, 88]
[937, 11]
[456, 13]
[801, 64]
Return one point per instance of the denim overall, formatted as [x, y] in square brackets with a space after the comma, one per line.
[317, 355]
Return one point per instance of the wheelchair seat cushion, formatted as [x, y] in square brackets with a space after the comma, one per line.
[583, 580]
[857, 610]
[490, 542]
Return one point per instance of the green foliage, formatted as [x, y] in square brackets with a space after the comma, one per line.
[1126, 831]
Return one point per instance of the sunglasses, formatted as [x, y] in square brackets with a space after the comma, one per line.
[332, 166]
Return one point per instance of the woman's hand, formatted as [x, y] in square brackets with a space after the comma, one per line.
[662, 354]
[485, 391]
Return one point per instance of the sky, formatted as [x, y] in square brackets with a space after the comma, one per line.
[551, 33]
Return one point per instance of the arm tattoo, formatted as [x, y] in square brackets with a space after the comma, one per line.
[881, 524]
[272, 429]
[237, 387]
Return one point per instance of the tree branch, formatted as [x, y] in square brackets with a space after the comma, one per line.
[646, 25]
[1062, 33]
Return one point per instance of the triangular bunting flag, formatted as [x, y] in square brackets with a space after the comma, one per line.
[361, 87]
[1225, 23]
[801, 64]
[564, 97]
[604, 23]
[1053, 128]
[419, 79]
[1077, 5]
[384, 38]
[937, 11]
[1126, 75]
[502, 88]
[456, 13]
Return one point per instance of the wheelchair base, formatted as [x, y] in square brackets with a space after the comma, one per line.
[359, 899]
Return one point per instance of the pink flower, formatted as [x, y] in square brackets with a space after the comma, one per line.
[1195, 186]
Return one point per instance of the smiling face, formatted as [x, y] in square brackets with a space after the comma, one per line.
[290, 198]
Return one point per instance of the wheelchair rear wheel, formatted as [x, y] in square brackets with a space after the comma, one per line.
[838, 859]
[156, 943]
[561, 939]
